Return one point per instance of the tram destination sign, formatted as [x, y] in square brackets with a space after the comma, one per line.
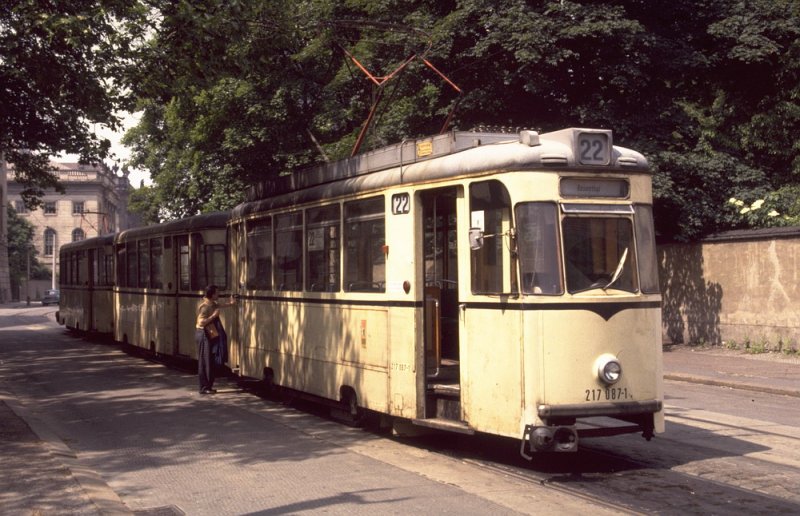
[591, 188]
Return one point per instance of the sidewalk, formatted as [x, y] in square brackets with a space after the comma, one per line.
[772, 373]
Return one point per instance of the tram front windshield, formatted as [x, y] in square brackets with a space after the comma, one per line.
[598, 250]
[598, 253]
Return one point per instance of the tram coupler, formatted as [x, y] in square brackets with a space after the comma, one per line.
[548, 439]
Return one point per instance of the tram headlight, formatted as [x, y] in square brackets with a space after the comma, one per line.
[609, 370]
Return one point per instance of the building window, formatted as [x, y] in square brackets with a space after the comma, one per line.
[19, 207]
[49, 241]
[77, 207]
[50, 207]
[78, 235]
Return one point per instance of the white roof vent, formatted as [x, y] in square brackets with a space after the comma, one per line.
[529, 138]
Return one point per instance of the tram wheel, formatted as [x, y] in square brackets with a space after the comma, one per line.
[268, 382]
[349, 401]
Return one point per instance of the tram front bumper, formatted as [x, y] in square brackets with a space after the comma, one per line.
[611, 409]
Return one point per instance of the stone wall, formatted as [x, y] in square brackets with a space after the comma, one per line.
[737, 287]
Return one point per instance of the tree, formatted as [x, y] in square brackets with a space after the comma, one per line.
[60, 64]
[21, 252]
[234, 92]
[146, 202]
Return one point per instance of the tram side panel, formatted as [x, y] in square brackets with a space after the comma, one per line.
[492, 362]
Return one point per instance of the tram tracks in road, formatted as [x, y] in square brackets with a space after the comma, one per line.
[623, 479]
[625, 475]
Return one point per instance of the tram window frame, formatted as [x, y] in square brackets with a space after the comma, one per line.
[62, 267]
[538, 248]
[77, 262]
[184, 262]
[645, 237]
[197, 263]
[143, 257]
[122, 267]
[364, 237]
[259, 250]
[323, 248]
[108, 261]
[156, 263]
[289, 251]
[131, 254]
[577, 230]
[212, 256]
[95, 254]
[491, 266]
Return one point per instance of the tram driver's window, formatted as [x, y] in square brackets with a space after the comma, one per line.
[364, 237]
[537, 242]
[490, 211]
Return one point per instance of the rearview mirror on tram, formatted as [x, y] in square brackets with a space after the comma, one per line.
[475, 238]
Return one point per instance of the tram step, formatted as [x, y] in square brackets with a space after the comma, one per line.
[445, 424]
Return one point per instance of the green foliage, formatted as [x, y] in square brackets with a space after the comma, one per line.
[234, 92]
[60, 64]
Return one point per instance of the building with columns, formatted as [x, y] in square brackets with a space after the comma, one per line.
[95, 203]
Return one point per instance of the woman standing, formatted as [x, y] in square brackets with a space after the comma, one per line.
[206, 333]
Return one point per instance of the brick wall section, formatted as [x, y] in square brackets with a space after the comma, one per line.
[740, 286]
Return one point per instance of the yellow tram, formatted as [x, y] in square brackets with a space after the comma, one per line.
[498, 283]
[86, 272]
[469, 282]
[161, 274]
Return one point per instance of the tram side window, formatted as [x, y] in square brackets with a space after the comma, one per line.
[322, 248]
[490, 211]
[144, 263]
[537, 241]
[365, 236]
[94, 258]
[646, 249]
[289, 251]
[182, 244]
[77, 263]
[133, 264]
[108, 268]
[156, 254]
[212, 266]
[121, 266]
[259, 254]
[62, 269]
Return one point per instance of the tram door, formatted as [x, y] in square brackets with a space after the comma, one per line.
[443, 394]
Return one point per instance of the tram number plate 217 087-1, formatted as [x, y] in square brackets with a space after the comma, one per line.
[608, 394]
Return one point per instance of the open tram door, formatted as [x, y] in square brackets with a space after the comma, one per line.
[440, 273]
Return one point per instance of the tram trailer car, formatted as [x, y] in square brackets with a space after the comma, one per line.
[86, 276]
[162, 272]
[471, 282]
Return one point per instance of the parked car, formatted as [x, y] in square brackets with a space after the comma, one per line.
[51, 297]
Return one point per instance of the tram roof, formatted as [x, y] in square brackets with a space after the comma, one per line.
[88, 243]
[554, 149]
[217, 219]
